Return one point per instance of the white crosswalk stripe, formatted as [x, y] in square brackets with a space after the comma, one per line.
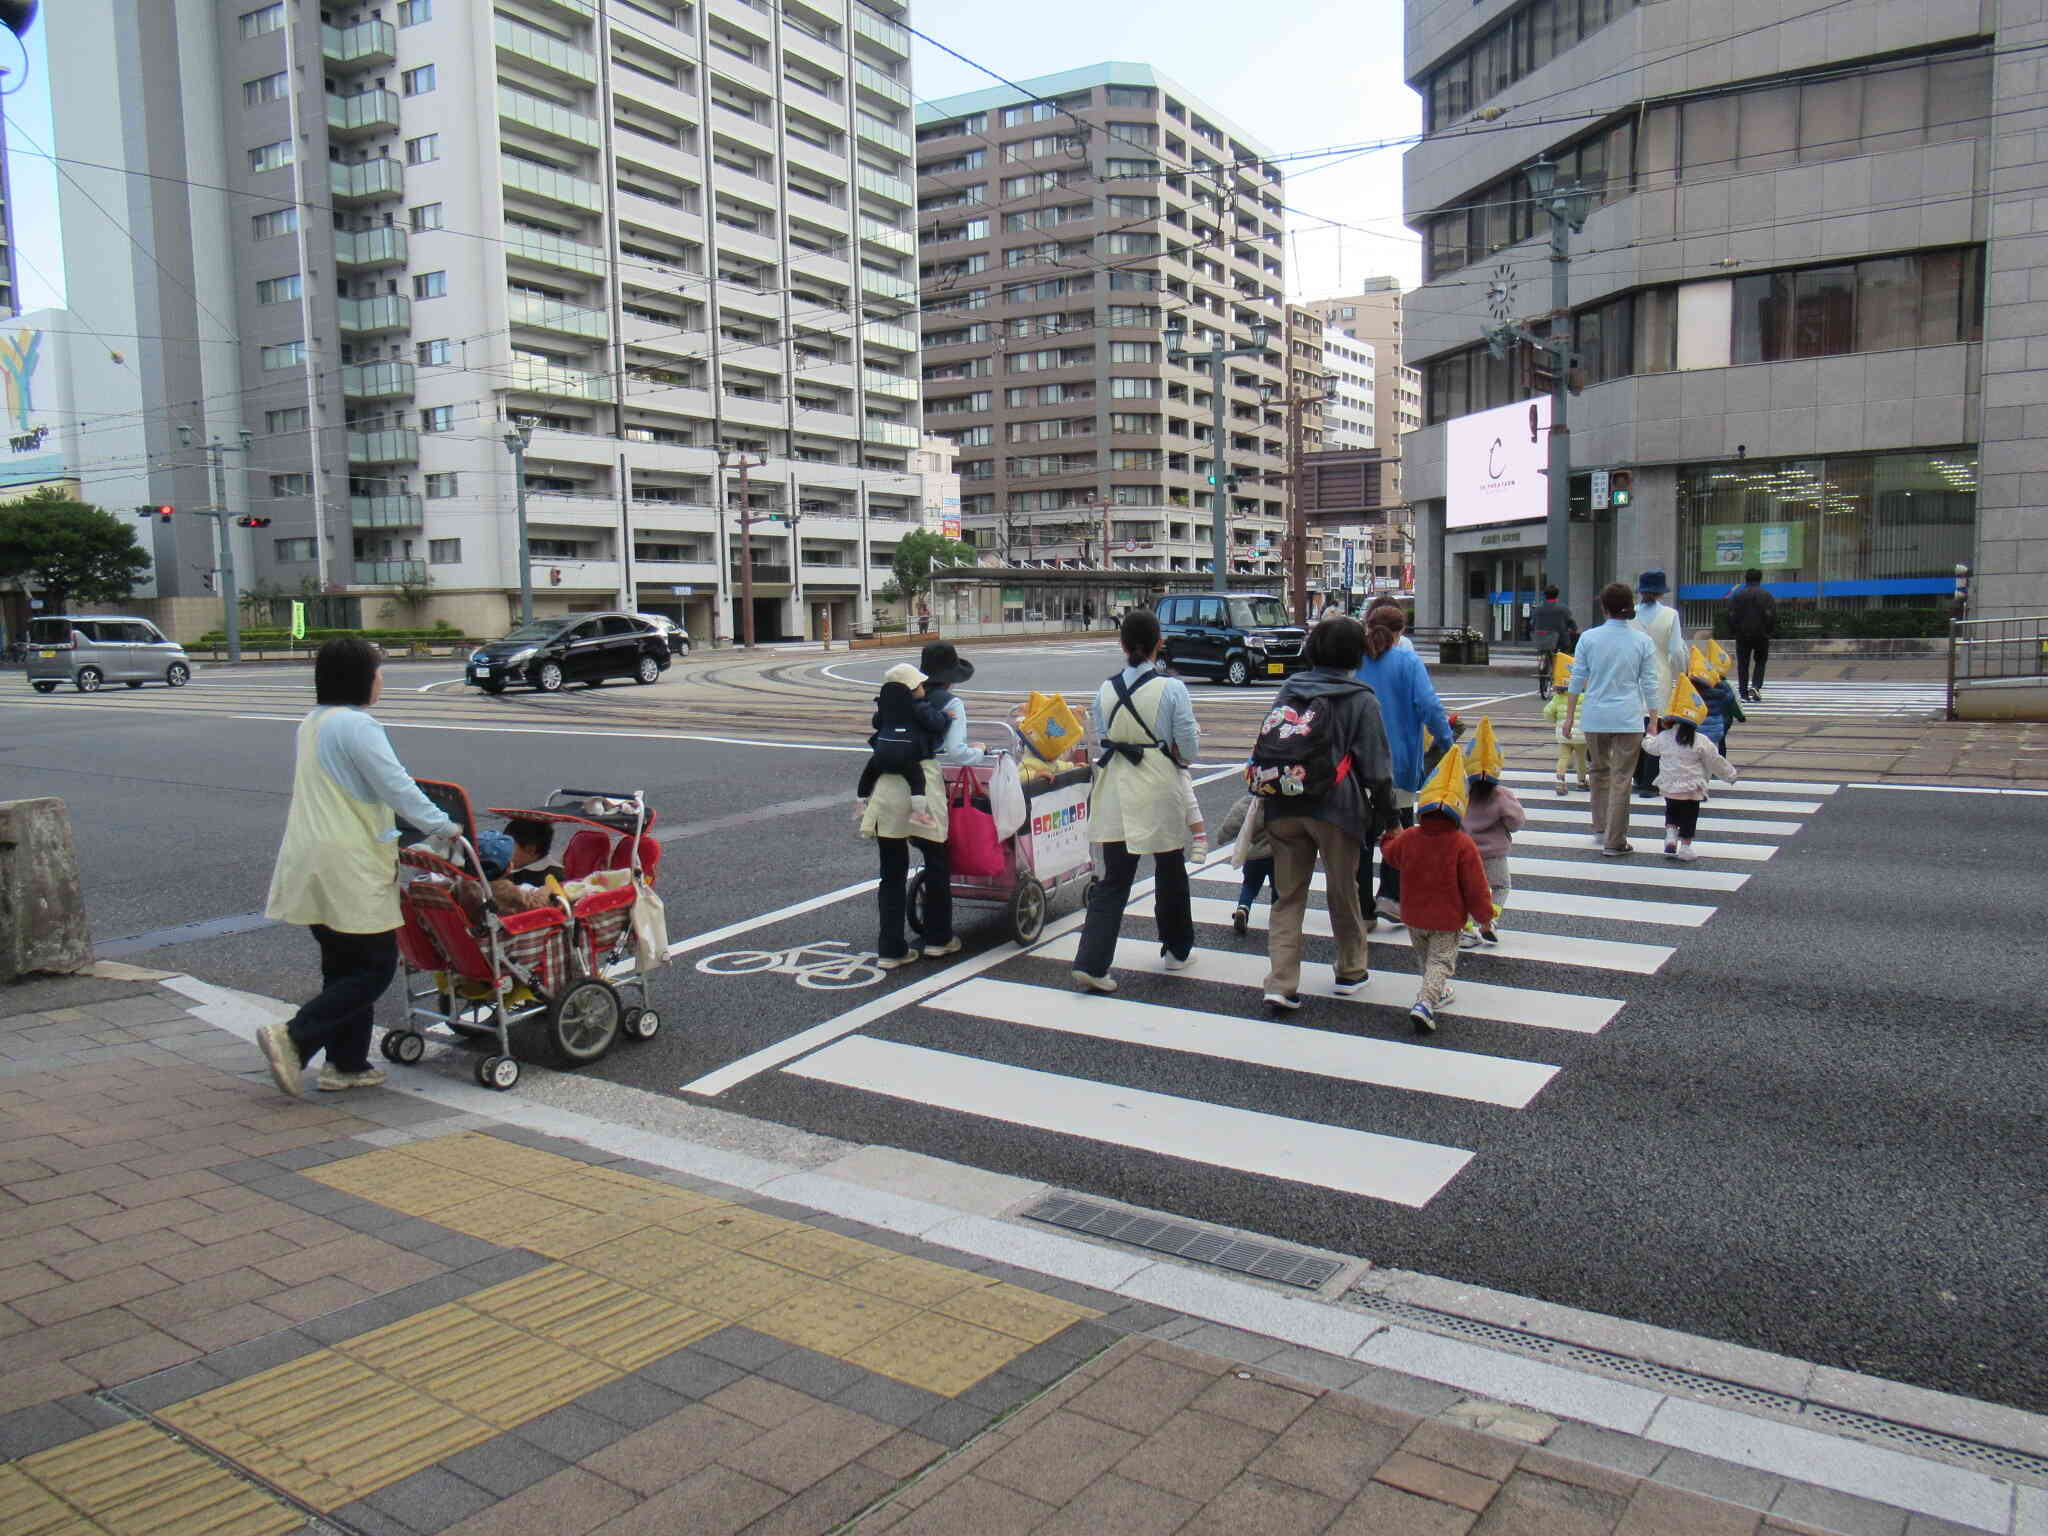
[1815, 697]
[1210, 1009]
[1748, 789]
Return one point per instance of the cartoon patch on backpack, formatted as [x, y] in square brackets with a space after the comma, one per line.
[1291, 758]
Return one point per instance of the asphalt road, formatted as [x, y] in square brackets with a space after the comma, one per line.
[1814, 1127]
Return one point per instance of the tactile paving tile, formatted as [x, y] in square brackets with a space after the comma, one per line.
[399, 1183]
[602, 1189]
[917, 1281]
[506, 1217]
[27, 1508]
[816, 1251]
[732, 1226]
[832, 1319]
[560, 1237]
[1013, 1310]
[595, 1315]
[327, 1429]
[479, 1364]
[649, 1256]
[734, 1287]
[940, 1354]
[135, 1480]
[490, 1157]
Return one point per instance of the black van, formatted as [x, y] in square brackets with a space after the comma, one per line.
[1232, 638]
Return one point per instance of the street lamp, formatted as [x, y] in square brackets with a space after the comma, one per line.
[1214, 360]
[517, 436]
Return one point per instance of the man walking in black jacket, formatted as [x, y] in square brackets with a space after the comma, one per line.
[1752, 618]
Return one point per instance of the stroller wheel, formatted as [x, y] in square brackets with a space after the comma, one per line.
[913, 904]
[640, 1024]
[1027, 911]
[582, 1024]
[498, 1073]
[385, 1045]
[405, 1047]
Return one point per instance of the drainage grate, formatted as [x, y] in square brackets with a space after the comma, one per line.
[1286, 1266]
[1696, 1385]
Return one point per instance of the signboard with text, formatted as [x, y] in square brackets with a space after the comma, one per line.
[1494, 462]
[1735, 547]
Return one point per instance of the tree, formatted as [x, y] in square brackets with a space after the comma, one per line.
[919, 552]
[68, 549]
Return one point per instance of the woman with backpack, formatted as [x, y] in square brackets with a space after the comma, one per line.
[1136, 806]
[1408, 705]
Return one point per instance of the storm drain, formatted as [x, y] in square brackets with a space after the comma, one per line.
[1285, 1265]
[1973, 1452]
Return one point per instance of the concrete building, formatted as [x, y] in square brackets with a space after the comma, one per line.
[1373, 316]
[1348, 406]
[10, 287]
[1805, 300]
[1308, 387]
[1063, 227]
[375, 237]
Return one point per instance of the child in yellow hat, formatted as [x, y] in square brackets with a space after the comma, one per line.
[1492, 818]
[1686, 759]
[1443, 883]
[1571, 745]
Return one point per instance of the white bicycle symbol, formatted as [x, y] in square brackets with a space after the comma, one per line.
[827, 966]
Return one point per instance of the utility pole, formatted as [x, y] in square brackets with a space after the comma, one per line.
[517, 436]
[1567, 207]
[232, 626]
[727, 460]
[1214, 359]
[1297, 400]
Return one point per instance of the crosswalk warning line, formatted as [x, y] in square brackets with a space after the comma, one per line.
[1390, 1168]
[1515, 943]
[1255, 1042]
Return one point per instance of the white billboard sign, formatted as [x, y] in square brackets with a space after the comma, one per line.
[1493, 465]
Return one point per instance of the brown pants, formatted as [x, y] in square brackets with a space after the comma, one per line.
[1614, 756]
[1437, 953]
[1296, 841]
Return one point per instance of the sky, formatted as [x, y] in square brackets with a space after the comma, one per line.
[1297, 75]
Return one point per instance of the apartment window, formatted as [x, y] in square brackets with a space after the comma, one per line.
[419, 81]
[293, 551]
[279, 221]
[271, 157]
[1146, 281]
[1130, 96]
[1134, 207]
[1127, 168]
[972, 229]
[441, 487]
[412, 12]
[278, 290]
[949, 404]
[1134, 389]
[1133, 352]
[286, 354]
[267, 88]
[429, 285]
[971, 437]
[438, 418]
[1036, 149]
[265, 19]
[1125, 421]
[422, 150]
[1031, 112]
[427, 216]
[1050, 357]
[444, 551]
[434, 354]
[973, 160]
[1129, 244]
[291, 419]
[975, 123]
[291, 485]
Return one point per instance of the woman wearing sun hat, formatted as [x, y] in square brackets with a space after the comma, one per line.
[887, 819]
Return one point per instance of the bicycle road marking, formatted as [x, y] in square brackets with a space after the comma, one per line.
[828, 965]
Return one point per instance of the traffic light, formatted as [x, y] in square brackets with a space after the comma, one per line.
[1621, 488]
[252, 522]
[163, 513]
[158, 512]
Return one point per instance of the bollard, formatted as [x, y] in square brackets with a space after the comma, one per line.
[42, 910]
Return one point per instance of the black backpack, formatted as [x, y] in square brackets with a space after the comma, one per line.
[899, 746]
[1294, 758]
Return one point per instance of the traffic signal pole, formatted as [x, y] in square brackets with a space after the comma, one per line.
[1557, 522]
[232, 624]
[1214, 360]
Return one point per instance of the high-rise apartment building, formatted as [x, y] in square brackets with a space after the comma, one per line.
[1064, 228]
[1805, 300]
[376, 237]
[1350, 371]
[1373, 316]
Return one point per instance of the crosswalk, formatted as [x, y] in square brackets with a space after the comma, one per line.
[1187, 1065]
[1914, 701]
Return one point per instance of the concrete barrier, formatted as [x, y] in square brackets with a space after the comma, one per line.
[42, 910]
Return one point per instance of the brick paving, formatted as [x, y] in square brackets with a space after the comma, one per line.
[189, 1261]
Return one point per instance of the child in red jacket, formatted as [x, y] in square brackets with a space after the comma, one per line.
[1443, 882]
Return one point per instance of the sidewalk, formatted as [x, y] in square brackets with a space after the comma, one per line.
[225, 1311]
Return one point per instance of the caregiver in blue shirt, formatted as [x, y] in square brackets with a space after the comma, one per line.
[1408, 704]
[1614, 700]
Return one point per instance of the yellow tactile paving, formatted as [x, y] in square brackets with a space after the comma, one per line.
[490, 1157]
[562, 1237]
[917, 1281]
[733, 1226]
[816, 1251]
[27, 1508]
[832, 1319]
[603, 1189]
[649, 1256]
[479, 1364]
[135, 1480]
[1015, 1311]
[400, 1183]
[595, 1315]
[734, 1287]
[940, 1354]
[505, 1217]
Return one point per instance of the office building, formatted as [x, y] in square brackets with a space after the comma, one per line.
[1350, 372]
[10, 286]
[1803, 302]
[1064, 227]
[1373, 315]
[641, 232]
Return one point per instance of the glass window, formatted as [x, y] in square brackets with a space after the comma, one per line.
[1763, 311]
[1894, 109]
[291, 419]
[1823, 311]
[280, 221]
[268, 88]
[287, 354]
[422, 150]
[429, 285]
[1657, 160]
[1769, 134]
[266, 19]
[271, 157]
[426, 217]
[418, 81]
[278, 290]
[1958, 97]
[1830, 119]
[1542, 23]
[1707, 136]
[444, 551]
[1940, 306]
[1657, 330]
[1887, 304]
[440, 487]
[1209, 611]
[434, 354]
[438, 418]
[293, 551]
[412, 12]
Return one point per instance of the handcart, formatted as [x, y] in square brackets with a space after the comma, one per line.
[557, 977]
[1047, 854]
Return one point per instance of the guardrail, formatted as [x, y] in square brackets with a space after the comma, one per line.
[1996, 651]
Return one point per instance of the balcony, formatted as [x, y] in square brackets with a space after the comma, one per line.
[557, 315]
[376, 381]
[901, 241]
[554, 251]
[531, 376]
[898, 338]
[885, 34]
[887, 285]
[390, 573]
[366, 182]
[363, 113]
[894, 433]
[393, 445]
[882, 184]
[543, 116]
[547, 52]
[381, 247]
[360, 46]
[875, 131]
[367, 317]
[552, 185]
[869, 78]
[894, 385]
[385, 512]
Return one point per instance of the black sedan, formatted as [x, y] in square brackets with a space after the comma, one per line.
[586, 648]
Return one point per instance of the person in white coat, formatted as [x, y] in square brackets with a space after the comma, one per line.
[1668, 652]
[337, 870]
[1137, 805]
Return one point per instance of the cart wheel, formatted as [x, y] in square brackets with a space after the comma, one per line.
[407, 1047]
[498, 1072]
[1087, 893]
[1027, 911]
[387, 1047]
[582, 1024]
[640, 1023]
[913, 904]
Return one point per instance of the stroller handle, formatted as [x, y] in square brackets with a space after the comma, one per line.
[1015, 742]
[600, 794]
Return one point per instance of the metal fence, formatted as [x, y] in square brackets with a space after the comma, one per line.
[1995, 650]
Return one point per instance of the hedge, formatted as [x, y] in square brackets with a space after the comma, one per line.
[1852, 623]
[278, 638]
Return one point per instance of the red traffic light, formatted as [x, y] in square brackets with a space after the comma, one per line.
[252, 522]
[164, 513]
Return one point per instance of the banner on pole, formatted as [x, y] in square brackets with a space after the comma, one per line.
[298, 620]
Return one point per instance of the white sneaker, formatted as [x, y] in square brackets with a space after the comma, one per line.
[335, 1081]
[275, 1041]
[1175, 962]
[1095, 983]
[1389, 910]
[1346, 986]
[1560, 784]
[950, 947]
[896, 962]
[1685, 852]
[1468, 940]
[1198, 849]
[1288, 1001]
[1670, 847]
[1450, 996]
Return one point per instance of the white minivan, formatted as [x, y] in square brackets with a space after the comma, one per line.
[89, 651]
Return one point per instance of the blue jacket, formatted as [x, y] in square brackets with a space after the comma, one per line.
[1720, 701]
[1408, 702]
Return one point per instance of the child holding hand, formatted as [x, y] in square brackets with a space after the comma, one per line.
[1443, 883]
[1686, 759]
